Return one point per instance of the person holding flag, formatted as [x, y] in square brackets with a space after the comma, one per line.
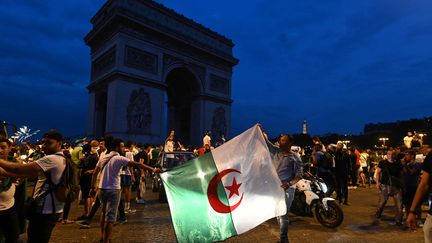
[225, 192]
[290, 170]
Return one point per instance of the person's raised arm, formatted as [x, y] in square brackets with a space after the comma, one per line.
[271, 147]
[143, 166]
[21, 170]
[422, 190]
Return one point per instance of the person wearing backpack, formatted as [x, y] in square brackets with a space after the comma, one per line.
[46, 207]
[70, 181]
[324, 164]
[109, 189]
[87, 166]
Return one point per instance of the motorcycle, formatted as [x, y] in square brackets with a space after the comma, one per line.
[310, 196]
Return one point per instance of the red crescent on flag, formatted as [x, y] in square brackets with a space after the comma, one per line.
[213, 197]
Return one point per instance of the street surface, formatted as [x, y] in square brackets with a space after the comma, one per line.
[152, 223]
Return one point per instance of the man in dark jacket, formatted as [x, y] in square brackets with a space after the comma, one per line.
[342, 165]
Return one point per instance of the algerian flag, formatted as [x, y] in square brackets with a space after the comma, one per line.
[225, 192]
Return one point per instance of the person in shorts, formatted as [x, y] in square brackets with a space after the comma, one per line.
[109, 188]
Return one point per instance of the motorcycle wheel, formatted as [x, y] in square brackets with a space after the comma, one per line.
[330, 218]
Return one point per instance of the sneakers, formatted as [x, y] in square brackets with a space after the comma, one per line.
[130, 211]
[140, 201]
[395, 223]
[82, 218]
[83, 224]
[420, 224]
[120, 221]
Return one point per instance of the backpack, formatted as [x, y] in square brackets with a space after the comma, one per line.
[68, 187]
[328, 160]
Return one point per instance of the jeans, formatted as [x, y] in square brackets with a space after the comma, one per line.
[387, 191]
[427, 229]
[66, 208]
[9, 225]
[40, 227]
[342, 187]
[353, 174]
[284, 220]
[96, 205]
[94, 208]
[110, 200]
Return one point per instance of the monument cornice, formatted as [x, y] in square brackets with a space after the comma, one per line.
[120, 18]
[101, 14]
[117, 75]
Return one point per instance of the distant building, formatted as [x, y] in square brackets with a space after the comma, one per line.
[400, 127]
[396, 131]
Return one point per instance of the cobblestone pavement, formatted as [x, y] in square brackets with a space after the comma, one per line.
[152, 223]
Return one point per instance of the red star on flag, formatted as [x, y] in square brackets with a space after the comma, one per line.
[233, 188]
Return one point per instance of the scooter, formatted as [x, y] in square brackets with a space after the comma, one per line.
[310, 196]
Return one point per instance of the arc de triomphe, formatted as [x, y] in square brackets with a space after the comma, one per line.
[154, 70]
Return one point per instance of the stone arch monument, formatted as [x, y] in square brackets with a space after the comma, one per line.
[154, 70]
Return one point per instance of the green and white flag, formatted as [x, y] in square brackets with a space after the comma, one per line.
[225, 192]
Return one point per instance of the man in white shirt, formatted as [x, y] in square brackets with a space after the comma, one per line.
[207, 139]
[48, 209]
[407, 139]
[109, 184]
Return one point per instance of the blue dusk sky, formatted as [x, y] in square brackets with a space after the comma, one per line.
[337, 64]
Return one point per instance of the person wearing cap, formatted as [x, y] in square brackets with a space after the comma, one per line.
[44, 217]
[77, 153]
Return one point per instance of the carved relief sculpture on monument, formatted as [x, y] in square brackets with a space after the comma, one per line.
[139, 115]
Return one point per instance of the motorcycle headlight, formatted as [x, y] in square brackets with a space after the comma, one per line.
[323, 187]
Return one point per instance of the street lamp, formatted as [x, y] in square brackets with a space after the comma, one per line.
[421, 138]
[383, 141]
[346, 142]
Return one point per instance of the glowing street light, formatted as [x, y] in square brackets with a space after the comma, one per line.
[383, 141]
[346, 142]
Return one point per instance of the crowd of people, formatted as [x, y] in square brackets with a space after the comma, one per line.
[401, 172]
[108, 170]
[56, 169]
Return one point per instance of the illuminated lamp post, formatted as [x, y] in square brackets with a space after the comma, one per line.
[383, 141]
